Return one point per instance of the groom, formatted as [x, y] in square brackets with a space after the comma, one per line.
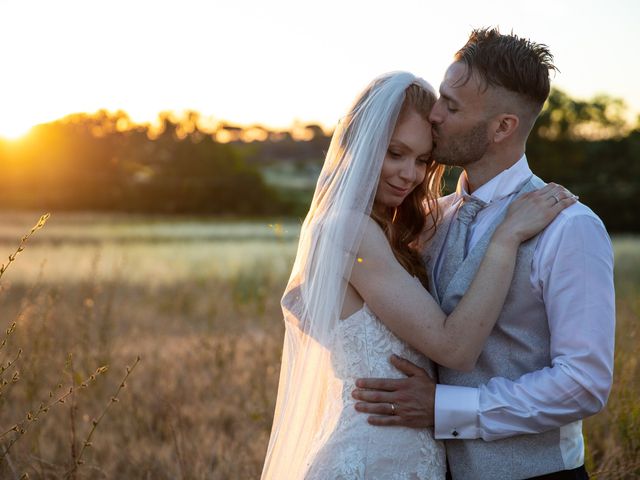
[548, 362]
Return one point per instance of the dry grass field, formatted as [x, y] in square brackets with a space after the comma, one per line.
[198, 302]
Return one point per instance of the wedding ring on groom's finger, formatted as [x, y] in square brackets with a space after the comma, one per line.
[555, 198]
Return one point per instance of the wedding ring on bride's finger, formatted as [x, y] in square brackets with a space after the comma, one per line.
[555, 198]
[393, 408]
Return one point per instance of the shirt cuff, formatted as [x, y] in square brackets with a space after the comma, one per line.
[456, 413]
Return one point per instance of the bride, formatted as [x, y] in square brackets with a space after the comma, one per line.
[374, 201]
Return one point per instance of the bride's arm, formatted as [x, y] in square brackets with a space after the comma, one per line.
[404, 305]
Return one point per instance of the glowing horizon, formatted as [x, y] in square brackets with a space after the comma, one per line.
[17, 131]
[275, 63]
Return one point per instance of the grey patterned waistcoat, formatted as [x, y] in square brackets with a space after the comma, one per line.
[518, 344]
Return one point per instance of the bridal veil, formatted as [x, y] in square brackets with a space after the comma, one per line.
[309, 394]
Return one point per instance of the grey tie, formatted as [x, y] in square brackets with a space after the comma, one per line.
[454, 248]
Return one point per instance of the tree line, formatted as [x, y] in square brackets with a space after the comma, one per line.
[106, 162]
[90, 162]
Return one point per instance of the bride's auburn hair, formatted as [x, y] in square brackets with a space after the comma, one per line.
[404, 225]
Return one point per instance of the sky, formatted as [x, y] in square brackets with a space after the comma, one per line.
[278, 62]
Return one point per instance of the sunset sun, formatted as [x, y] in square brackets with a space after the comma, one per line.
[14, 128]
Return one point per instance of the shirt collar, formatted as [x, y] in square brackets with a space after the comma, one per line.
[500, 186]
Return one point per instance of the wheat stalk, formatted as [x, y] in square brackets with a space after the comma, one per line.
[25, 239]
[21, 427]
[96, 421]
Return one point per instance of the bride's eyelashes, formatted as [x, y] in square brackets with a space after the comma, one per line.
[397, 155]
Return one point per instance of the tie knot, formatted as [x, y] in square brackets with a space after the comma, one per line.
[469, 209]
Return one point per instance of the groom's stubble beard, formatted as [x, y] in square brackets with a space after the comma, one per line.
[464, 149]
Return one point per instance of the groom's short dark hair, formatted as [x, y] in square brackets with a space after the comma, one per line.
[516, 64]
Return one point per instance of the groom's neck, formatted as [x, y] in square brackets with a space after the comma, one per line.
[488, 167]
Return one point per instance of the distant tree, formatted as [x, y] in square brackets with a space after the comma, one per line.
[564, 118]
[587, 146]
[316, 131]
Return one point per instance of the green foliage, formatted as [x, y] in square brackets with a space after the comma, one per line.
[565, 118]
[88, 163]
[584, 146]
[105, 162]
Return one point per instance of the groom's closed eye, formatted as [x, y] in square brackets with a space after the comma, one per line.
[451, 104]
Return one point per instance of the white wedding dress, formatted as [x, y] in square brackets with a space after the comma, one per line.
[355, 449]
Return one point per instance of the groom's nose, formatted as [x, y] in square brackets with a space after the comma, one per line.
[435, 117]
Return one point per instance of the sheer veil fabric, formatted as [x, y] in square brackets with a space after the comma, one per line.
[309, 393]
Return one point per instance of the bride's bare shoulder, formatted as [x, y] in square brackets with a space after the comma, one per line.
[374, 241]
[345, 219]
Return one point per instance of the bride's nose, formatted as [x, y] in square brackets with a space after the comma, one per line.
[408, 171]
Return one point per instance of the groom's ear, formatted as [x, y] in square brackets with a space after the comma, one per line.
[505, 126]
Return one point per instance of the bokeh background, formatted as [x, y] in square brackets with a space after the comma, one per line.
[176, 146]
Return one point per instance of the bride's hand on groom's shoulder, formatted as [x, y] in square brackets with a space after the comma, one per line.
[404, 402]
[532, 212]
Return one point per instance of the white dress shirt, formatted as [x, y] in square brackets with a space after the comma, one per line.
[572, 272]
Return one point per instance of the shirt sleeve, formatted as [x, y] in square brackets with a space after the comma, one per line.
[573, 272]
[456, 412]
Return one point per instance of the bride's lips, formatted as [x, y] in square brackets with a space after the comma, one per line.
[399, 190]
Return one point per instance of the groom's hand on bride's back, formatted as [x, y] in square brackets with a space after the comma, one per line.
[404, 402]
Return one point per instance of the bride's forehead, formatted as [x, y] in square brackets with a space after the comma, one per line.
[412, 129]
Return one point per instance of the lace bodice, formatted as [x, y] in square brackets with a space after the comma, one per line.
[356, 449]
[364, 346]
